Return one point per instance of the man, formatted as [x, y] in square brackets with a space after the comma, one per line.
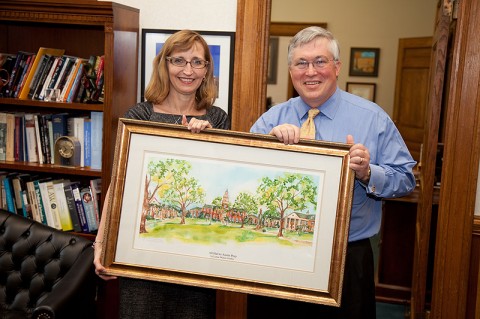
[378, 156]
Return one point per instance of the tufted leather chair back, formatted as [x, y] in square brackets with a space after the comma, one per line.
[44, 272]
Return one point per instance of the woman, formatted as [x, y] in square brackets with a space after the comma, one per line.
[181, 91]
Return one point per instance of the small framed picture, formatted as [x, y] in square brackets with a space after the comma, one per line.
[365, 90]
[364, 61]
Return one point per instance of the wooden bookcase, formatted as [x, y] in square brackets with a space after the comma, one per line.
[82, 28]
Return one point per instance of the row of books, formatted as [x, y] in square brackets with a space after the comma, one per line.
[31, 137]
[58, 203]
[32, 74]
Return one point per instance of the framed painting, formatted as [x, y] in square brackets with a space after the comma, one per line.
[364, 61]
[221, 46]
[229, 210]
[272, 60]
[365, 90]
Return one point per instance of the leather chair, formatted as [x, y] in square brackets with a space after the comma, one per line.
[45, 273]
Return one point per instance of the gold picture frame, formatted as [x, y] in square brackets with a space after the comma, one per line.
[250, 243]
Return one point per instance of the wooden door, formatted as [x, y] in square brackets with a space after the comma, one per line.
[411, 87]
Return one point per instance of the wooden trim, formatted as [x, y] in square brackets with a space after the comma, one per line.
[250, 67]
[248, 102]
[427, 176]
[291, 28]
[460, 170]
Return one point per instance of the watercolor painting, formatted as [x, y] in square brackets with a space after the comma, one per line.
[213, 205]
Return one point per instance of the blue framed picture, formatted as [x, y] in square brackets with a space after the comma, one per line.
[221, 46]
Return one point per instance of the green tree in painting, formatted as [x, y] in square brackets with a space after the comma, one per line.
[154, 181]
[286, 193]
[183, 190]
[217, 202]
[245, 204]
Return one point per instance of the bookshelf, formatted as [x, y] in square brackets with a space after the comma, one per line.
[82, 28]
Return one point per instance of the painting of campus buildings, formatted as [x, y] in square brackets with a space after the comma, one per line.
[195, 202]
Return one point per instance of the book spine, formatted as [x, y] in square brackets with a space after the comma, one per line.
[81, 212]
[32, 199]
[38, 140]
[72, 208]
[89, 209]
[31, 139]
[96, 119]
[41, 208]
[10, 137]
[52, 199]
[87, 139]
[3, 136]
[9, 195]
[65, 220]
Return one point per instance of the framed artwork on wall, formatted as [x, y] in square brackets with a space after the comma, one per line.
[364, 61]
[272, 60]
[222, 47]
[229, 210]
[365, 90]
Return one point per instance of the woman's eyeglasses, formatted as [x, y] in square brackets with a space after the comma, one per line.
[181, 62]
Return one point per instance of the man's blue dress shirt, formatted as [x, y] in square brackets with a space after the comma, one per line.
[390, 161]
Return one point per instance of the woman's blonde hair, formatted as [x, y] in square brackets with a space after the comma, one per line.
[158, 88]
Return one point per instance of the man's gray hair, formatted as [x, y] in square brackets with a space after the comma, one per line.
[312, 33]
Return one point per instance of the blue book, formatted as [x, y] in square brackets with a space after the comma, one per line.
[59, 125]
[96, 119]
[9, 193]
[87, 140]
[79, 205]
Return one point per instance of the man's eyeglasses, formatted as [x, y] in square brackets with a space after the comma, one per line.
[319, 63]
[181, 62]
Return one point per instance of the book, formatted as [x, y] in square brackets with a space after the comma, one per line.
[79, 206]
[39, 199]
[3, 199]
[8, 88]
[89, 208]
[76, 84]
[72, 208]
[19, 184]
[3, 136]
[68, 62]
[32, 86]
[32, 200]
[62, 206]
[19, 143]
[30, 138]
[96, 190]
[43, 120]
[10, 137]
[26, 206]
[76, 128]
[87, 139]
[38, 139]
[8, 63]
[27, 69]
[70, 79]
[42, 51]
[43, 78]
[48, 78]
[9, 193]
[96, 119]
[52, 203]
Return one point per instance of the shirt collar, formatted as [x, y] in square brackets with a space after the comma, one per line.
[329, 108]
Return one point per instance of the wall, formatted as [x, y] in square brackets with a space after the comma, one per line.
[366, 23]
[199, 15]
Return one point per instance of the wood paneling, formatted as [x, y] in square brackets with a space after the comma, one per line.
[411, 88]
[460, 169]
